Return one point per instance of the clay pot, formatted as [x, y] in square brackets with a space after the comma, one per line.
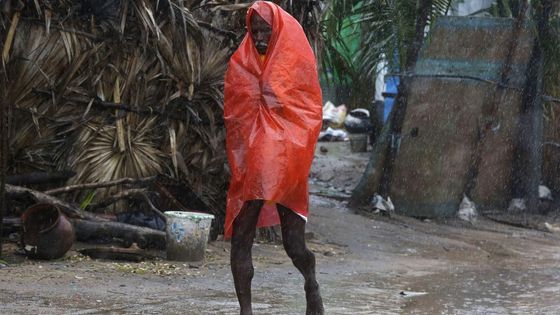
[47, 233]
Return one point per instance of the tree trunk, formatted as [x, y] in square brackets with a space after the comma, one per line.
[68, 209]
[142, 236]
[528, 165]
[4, 153]
[39, 178]
[3, 163]
[371, 178]
[377, 176]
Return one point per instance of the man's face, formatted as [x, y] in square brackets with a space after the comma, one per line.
[261, 32]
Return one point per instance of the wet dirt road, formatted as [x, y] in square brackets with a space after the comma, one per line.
[365, 265]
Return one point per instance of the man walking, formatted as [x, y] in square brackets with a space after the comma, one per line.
[272, 114]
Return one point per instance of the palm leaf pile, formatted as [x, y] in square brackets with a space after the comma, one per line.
[113, 89]
[122, 88]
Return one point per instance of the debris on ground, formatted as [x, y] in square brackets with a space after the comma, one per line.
[545, 193]
[358, 121]
[331, 192]
[546, 201]
[411, 293]
[333, 116]
[553, 228]
[156, 268]
[382, 206]
[134, 253]
[79, 257]
[467, 210]
[517, 205]
[333, 135]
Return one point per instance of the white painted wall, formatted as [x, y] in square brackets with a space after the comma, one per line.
[468, 7]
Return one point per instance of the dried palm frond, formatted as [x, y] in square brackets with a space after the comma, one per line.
[309, 13]
[230, 16]
[95, 157]
[137, 53]
[202, 145]
[70, 64]
[40, 61]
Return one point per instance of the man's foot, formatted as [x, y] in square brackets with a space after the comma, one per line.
[249, 312]
[314, 301]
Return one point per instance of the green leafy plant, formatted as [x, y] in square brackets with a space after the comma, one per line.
[360, 34]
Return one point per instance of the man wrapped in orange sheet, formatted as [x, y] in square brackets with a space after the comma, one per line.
[273, 116]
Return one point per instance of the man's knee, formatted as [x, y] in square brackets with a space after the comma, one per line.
[297, 251]
[241, 245]
[242, 241]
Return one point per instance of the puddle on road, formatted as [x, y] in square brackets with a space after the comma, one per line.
[361, 293]
[495, 291]
[362, 300]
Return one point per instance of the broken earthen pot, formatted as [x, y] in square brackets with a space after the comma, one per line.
[47, 233]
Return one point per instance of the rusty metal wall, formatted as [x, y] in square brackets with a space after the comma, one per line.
[431, 168]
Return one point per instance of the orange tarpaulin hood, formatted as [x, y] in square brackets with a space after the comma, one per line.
[273, 115]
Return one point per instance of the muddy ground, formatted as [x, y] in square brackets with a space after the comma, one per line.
[366, 265]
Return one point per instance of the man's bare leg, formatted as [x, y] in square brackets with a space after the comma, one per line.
[244, 227]
[293, 237]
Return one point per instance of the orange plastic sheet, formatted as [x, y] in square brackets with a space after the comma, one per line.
[273, 116]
